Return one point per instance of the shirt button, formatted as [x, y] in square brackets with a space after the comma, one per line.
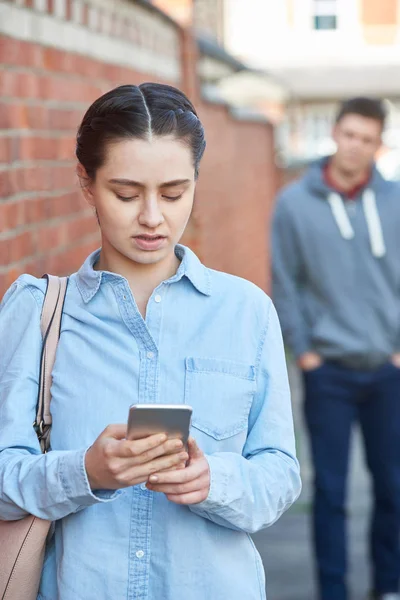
[143, 487]
[140, 553]
[150, 355]
[157, 298]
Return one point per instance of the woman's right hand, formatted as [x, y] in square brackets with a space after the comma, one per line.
[114, 462]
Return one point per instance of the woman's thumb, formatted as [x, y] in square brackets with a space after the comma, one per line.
[194, 450]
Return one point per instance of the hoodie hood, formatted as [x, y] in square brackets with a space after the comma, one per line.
[314, 179]
[316, 183]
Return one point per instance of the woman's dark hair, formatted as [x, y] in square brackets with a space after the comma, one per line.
[371, 108]
[131, 111]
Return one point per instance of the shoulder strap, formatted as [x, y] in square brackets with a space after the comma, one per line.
[50, 325]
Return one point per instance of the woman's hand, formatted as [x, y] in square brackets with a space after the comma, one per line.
[114, 462]
[185, 486]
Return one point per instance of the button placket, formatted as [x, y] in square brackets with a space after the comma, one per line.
[141, 517]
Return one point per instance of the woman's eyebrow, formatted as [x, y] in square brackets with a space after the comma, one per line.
[126, 182]
[175, 182]
[138, 184]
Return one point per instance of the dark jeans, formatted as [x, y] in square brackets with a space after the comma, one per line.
[334, 398]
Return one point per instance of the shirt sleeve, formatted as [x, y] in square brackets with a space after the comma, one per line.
[286, 279]
[52, 485]
[249, 492]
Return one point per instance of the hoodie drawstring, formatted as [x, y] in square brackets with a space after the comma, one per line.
[341, 217]
[371, 216]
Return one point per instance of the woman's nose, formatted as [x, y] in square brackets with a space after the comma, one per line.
[151, 214]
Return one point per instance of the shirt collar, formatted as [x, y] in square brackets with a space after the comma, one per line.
[89, 281]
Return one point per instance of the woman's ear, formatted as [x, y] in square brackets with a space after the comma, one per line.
[85, 183]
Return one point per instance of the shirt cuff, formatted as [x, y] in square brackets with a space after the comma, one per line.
[75, 482]
[217, 496]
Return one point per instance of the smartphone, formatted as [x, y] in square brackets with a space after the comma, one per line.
[147, 419]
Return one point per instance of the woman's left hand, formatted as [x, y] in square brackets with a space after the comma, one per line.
[190, 485]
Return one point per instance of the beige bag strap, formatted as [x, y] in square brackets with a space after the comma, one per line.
[50, 325]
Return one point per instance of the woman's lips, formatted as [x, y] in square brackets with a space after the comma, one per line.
[149, 243]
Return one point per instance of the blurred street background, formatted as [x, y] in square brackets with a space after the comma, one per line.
[267, 77]
[286, 547]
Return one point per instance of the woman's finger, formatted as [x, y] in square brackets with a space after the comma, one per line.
[178, 476]
[136, 448]
[140, 473]
[165, 449]
[178, 488]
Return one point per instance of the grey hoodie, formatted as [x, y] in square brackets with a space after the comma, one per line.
[336, 269]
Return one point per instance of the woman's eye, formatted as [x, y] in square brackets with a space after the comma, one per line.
[126, 198]
[172, 198]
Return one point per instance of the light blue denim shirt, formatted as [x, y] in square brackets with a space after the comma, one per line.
[210, 340]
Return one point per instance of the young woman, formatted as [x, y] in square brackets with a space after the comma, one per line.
[145, 322]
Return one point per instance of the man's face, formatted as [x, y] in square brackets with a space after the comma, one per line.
[358, 139]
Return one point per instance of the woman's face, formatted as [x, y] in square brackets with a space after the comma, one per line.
[143, 196]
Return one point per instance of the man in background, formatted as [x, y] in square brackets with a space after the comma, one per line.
[336, 285]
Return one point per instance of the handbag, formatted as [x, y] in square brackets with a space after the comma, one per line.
[23, 542]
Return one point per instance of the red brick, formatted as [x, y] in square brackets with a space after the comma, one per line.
[3, 284]
[85, 14]
[18, 53]
[62, 177]
[81, 227]
[38, 148]
[33, 179]
[16, 84]
[35, 210]
[9, 149]
[68, 10]
[37, 117]
[64, 205]
[58, 60]
[5, 254]
[69, 89]
[7, 83]
[8, 183]
[51, 237]
[10, 116]
[65, 119]
[13, 215]
[16, 248]
[65, 148]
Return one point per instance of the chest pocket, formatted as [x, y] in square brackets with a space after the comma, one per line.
[220, 392]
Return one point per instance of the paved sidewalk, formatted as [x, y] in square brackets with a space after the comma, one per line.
[285, 547]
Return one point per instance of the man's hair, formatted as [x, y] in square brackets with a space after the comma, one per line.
[371, 108]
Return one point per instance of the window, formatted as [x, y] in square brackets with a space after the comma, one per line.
[325, 14]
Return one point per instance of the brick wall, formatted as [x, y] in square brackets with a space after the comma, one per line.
[55, 59]
[235, 193]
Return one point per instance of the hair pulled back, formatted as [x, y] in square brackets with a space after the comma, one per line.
[141, 112]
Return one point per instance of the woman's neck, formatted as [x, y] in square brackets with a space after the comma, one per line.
[142, 278]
